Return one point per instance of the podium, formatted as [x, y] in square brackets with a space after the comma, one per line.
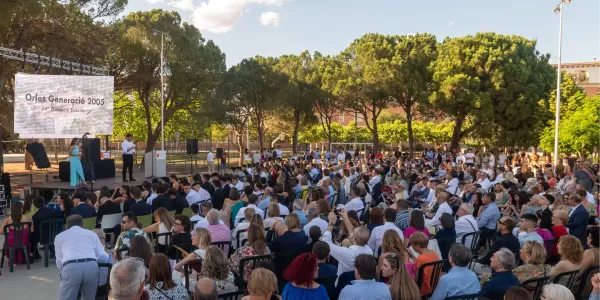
[155, 163]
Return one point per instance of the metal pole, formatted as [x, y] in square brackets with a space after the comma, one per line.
[558, 80]
[355, 128]
[162, 92]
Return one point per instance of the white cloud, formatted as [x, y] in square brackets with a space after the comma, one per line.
[219, 16]
[450, 24]
[269, 18]
[186, 5]
[155, 1]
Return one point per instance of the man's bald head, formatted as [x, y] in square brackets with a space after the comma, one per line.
[280, 228]
[361, 235]
[206, 289]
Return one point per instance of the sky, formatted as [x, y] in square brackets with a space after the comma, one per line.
[246, 28]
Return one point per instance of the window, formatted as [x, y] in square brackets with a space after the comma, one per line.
[341, 120]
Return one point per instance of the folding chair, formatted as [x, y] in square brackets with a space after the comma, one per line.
[224, 245]
[48, 231]
[19, 243]
[585, 281]
[538, 284]
[436, 272]
[110, 222]
[241, 283]
[567, 278]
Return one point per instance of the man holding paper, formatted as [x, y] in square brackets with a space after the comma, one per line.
[128, 148]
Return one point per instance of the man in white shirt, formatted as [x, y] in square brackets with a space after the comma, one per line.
[442, 200]
[279, 152]
[377, 235]
[501, 159]
[489, 171]
[483, 180]
[204, 194]
[235, 182]
[469, 157]
[375, 179]
[356, 203]
[465, 224]
[128, 148]
[314, 220]
[210, 161]
[346, 255]
[77, 252]
[256, 157]
[341, 156]
[580, 189]
[252, 199]
[499, 175]
[452, 188]
[191, 195]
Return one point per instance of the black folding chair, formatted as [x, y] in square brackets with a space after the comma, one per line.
[187, 270]
[567, 278]
[463, 297]
[585, 281]
[224, 245]
[232, 295]
[164, 249]
[474, 241]
[436, 272]
[537, 284]
[237, 239]
[281, 261]
[48, 231]
[103, 291]
[240, 282]
[19, 243]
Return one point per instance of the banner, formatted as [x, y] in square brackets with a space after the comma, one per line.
[63, 105]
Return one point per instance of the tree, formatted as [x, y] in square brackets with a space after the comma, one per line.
[193, 67]
[410, 81]
[367, 70]
[326, 74]
[299, 91]
[492, 83]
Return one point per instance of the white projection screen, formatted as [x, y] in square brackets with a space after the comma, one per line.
[56, 106]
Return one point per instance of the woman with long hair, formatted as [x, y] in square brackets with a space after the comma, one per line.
[216, 267]
[401, 283]
[16, 216]
[231, 206]
[65, 204]
[392, 244]
[160, 282]
[416, 224]
[201, 240]
[76, 168]
[571, 254]
[28, 208]
[256, 245]
[164, 223]
[140, 248]
[301, 274]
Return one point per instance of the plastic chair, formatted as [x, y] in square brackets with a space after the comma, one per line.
[19, 243]
[570, 278]
[163, 248]
[187, 212]
[48, 231]
[539, 284]
[253, 261]
[109, 222]
[195, 265]
[89, 223]
[584, 281]
[436, 272]
[474, 241]
[172, 213]
[232, 295]
[463, 297]
[145, 220]
[107, 285]
[224, 245]
[237, 239]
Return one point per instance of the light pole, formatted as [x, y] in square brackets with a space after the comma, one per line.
[558, 10]
[162, 85]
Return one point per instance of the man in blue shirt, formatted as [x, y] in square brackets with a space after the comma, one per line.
[298, 207]
[459, 280]
[489, 216]
[502, 278]
[365, 287]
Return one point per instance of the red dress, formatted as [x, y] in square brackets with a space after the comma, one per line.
[19, 255]
[558, 232]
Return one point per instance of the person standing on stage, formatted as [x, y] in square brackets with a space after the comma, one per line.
[128, 148]
[88, 166]
[77, 175]
[210, 161]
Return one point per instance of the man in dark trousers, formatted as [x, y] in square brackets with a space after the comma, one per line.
[128, 148]
[218, 197]
[161, 200]
[578, 219]
[81, 208]
[140, 208]
[178, 202]
[43, 213]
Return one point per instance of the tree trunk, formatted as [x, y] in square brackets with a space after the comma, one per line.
[411, 138]
[456, 134]
[295, 134]
[241, 147]
[375, 134]
[329, 136]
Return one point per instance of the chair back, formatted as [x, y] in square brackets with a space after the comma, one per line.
[49, 229]
[436, 272]
[567, 278]
[463, 297]
[496, 295]
[187, 212]
[164, 247]
[343, 280]
[19, 238]
[110, 221]
[243, 242]
[232, 295]
[283, 259]
[224, 245]
[518, 261]
[107, 286]
[194, 224]
[252, 261]
[89, 223]
[172, 213]
[474, 241]
[329, 284]
[537, 284]
[238, 243]
[585, 283]
[195, 265]
[145, 220]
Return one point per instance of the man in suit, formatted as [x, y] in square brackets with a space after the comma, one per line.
[43, 213]
[178, 202]
[81, 208]
[578, 219]
[206, 184]
[161, 200]
[108, 208]
[140, 208]
[218, 196]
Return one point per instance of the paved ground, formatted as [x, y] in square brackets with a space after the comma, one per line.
[35, 283]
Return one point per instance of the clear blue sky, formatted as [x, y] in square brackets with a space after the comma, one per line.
[329, 26]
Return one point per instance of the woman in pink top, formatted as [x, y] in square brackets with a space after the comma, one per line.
[417, 224]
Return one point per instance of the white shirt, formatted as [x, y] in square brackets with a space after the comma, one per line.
[502, 159]
[469, 158]
[125, 147]
[278, 152]
[488, 171]
[204, 194]
[240, 213]
[492, 161]
[485, 184]
[590, 198]
[375, 180]
[341, 156]
[283, 210]
[377, 235]
[453, 187]
[203, 223]
[499, 178]
[344, 255]
[210, 157]
[193, 197]
[78, 243]
[463, 226]
[435, 221]
[239, 186]
[322, 224]
[150, 198]
[430, 196]
[355, 204]
[461, 158]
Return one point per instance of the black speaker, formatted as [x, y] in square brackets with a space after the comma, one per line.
[91, 149]
[5, 181]
[219, 153]
[39, 155]
[191, 146]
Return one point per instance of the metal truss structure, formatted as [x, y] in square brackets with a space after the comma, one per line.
[39, 60]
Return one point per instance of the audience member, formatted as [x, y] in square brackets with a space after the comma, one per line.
[417, 224]
[252, 199]
[262, 284]
[289, 238]
[419, 242]
[140, 248]
[365, 286]
[273, 215]
[179, 202]
[459, 280]
[140, 207]
[346, 255]
[314, 220]
[401, 282]
[559, 219]
[161, 200]
[402, 219]
[465, 224]
[505, 240]
[219, 232]
[554, 291]
[392, 244]
[216, 267]
[325, 269]
[181, 235]
[489, 216]
[533, 256]
[517, 293]
[81, 207]
[127, 280]
[571, 254]
[299, 210]
[242, 226]
[108, 207]
[502, 279]
[300, 275]
[256, 245]
[42, 213]
[163, 223]
[129, 230]
[160, 283]
[377, 234]
[206, 289]
[527, 232]
[578, 219]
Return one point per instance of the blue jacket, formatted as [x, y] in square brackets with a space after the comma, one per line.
[140, 208]
[578, 222]
[84, 210]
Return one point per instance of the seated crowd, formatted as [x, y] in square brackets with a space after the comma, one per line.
[315, 227]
